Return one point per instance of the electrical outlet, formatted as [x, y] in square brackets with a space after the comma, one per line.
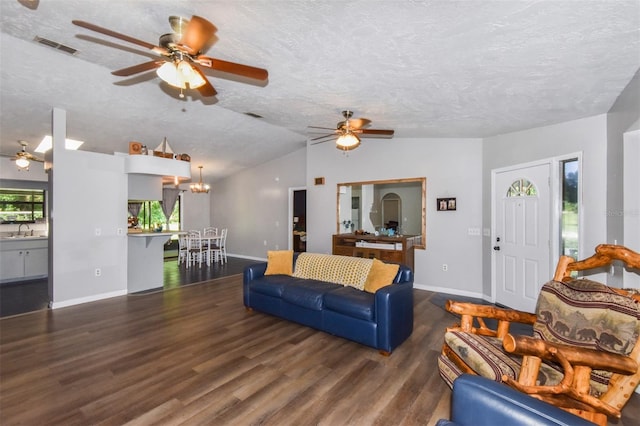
[265, 242]
[98, 232]
[98, 272]
[120, 231]
[445, 267]
[277, 247]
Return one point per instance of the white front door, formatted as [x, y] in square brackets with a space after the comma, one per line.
[521, 248]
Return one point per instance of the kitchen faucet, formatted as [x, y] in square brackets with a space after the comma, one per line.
[20, 227]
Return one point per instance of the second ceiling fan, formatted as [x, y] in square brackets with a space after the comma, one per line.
[348, 132]
[182, 53]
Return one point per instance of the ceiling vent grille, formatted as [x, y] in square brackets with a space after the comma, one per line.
[253, 114]
[56, 45]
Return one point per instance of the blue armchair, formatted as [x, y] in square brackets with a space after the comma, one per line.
[479, 401]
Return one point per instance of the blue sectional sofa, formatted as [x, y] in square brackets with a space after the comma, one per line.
[382, 320]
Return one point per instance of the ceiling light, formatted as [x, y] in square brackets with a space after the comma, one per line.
[347, 141]
[22, 163]
[200, 187]
[180, 74]
[47, 143]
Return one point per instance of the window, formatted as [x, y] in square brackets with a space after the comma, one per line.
[522, 188]
[569, 222]
[21, 205]
[151, 215]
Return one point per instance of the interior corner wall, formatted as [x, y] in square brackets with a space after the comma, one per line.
[587, 135]
[452, 167]
[196, 208]
[89, 197]
[622, 116]
[254, 205]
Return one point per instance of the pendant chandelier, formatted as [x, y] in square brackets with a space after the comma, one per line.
[200, 187]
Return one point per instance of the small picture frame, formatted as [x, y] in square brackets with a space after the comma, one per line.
[445, 204]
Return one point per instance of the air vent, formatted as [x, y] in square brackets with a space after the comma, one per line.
[56, 45]
[253, 114]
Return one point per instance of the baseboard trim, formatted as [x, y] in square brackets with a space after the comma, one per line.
[452, 291]
[80, 300]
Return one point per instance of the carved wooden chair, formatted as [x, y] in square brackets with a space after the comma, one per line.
[584, 351]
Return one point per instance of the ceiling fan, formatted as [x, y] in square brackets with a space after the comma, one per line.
[349, 132]
[182, 55]
[23, 158]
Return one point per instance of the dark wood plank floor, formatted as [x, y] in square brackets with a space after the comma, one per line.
[193, 355]
[27, 296]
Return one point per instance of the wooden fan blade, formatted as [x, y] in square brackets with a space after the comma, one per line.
[233, 68]
[92, 27]
[355, 123]
[375, 133]
[319, 142]
[207, 89]
[198, 33]
[323, 137]
[124, 72]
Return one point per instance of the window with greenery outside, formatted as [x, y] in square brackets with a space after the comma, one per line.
[21, 205]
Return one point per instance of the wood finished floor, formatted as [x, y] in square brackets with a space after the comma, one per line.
[193, 355]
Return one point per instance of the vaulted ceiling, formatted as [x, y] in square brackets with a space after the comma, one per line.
[426, 68]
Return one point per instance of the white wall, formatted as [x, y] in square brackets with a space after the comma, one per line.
[89, 192]
[632, 201]
[253, 205]
[453, 168]
[196, 210]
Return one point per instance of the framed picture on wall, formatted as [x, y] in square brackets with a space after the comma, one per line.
[445, 204]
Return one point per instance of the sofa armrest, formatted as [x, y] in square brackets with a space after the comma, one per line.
[480, 401]
[251, 273]
[394, 312]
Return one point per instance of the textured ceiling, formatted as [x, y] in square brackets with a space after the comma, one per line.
[424, 68]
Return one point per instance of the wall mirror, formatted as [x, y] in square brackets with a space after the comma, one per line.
[377, 206]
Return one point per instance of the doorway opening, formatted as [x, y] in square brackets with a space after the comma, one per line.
[298, 216]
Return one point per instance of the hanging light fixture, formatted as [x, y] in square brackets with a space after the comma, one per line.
[200, 187]
[22, 163]
[179, 73]
[347, 141]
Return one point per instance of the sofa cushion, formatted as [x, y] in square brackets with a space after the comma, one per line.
[351, 302]
[380, 275]
[279, 262]
[344, 270]
[307, 293]
[272, 285]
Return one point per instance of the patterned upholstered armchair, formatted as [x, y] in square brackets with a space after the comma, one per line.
[584, 351]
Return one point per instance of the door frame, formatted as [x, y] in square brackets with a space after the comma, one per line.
[555, 213]
[290, 225]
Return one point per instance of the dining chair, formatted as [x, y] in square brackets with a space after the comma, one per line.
[219, 251]
[210, 231]
[195, 248]
[183, 249]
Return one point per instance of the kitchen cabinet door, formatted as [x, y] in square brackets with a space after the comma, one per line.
[11, 264]
[35, 262]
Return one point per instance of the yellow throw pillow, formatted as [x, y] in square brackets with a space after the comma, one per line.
[380, 275]
[279, 262]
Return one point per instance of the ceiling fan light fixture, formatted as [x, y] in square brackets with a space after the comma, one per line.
[22, 163]
[189, 75]
[168, 72]
[198, 188]
[347, 141]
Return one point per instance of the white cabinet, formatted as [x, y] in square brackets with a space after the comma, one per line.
[23, 259]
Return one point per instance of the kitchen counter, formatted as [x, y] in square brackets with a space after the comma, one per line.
[145, 269]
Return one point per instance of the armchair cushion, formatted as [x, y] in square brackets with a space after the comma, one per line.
[486, 356]
[588, 314]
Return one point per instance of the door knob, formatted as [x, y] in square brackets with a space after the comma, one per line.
[496, 248]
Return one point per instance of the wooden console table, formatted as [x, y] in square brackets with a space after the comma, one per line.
[397, 249]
